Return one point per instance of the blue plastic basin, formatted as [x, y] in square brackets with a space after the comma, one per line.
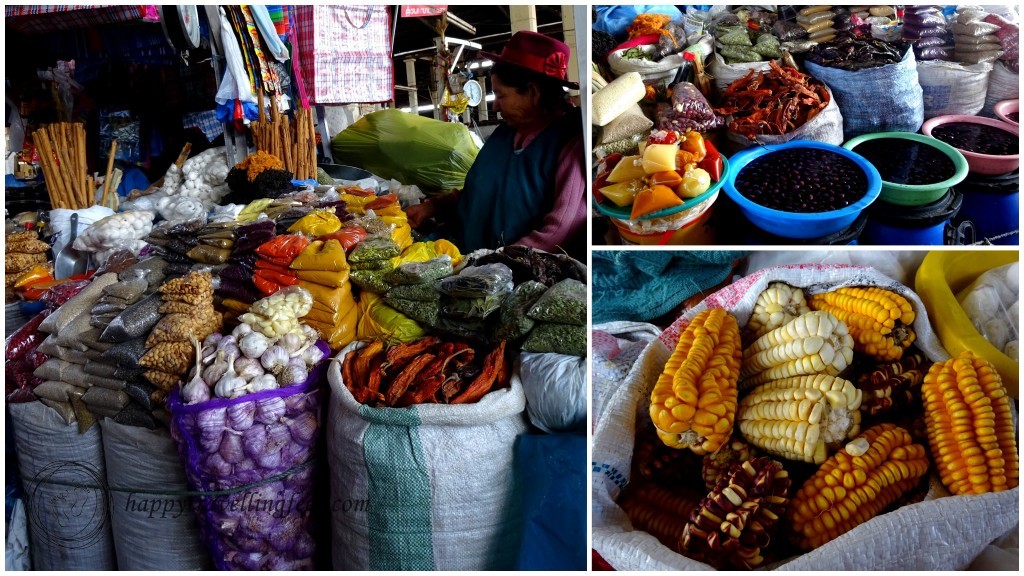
[802, 225]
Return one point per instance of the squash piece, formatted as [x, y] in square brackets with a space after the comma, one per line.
[629, 168]
[653, 199]
[669, 178]
[623, 193]
[660, 158]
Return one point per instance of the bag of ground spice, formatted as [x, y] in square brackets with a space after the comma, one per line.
[563, 303]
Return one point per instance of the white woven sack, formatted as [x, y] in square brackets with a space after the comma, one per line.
[1003, 84]
[826, 126]
[662, 71]
[154, 526]
[725, 74]
[429, 487]
[938, 533]
[64, 477]
[952, 87]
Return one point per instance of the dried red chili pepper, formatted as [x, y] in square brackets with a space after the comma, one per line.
[399, 356]
[494, 366]
[402, 382]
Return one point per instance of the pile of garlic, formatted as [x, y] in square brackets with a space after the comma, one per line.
[270, 350]
[278, 314]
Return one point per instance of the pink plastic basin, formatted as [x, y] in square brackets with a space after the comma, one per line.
[980, 163]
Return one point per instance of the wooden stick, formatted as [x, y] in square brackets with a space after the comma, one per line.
[185, 151]
[110, 168]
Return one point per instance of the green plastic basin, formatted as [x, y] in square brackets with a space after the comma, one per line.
[917, 195]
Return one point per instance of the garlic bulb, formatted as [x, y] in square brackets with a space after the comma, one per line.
[216, 371]
[253, 344]
[312, 355]
[294, 373]
[248, 368]
[274, 359]
[228, 383]
[263, 383]
[291, 343]
[196, 390]
[241, 331]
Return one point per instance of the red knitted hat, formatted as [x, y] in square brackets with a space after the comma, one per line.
[536, 52]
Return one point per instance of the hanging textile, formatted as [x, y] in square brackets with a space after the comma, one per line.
[38, 19]
[345, 53]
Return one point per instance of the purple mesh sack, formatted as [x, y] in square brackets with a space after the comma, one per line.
[254, 456]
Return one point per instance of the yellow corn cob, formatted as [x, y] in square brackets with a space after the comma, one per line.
[693, 403]
[856, 484]
[970, 426]
[777, 305]
[800, 418]
[814, 343]
[879, 320]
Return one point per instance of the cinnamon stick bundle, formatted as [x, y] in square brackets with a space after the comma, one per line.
[63, 158]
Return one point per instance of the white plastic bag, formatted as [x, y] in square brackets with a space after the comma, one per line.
[556, 390]
[653, 73]
[945, 533]
[429, 487]
[991, 302]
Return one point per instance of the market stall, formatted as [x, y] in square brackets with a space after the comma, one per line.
[262, 366]
[796, 410]
[835, 125]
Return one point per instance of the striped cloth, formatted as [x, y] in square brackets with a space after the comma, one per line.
[345, 53]
[37, 19]
[279, 15]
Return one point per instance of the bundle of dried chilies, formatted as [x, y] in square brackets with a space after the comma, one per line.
[62, 153]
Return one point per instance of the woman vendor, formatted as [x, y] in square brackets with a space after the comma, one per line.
[527, 184]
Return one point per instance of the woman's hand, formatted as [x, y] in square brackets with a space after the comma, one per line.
[419, 213]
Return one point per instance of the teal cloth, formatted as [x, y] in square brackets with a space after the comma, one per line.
[644, 285]
[508, 192]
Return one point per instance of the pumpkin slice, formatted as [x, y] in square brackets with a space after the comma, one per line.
[652, 199]
[629, 168]
[660, 158]
[669, 178]
[623, 193]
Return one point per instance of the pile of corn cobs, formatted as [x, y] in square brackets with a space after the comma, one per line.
[814, 418]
